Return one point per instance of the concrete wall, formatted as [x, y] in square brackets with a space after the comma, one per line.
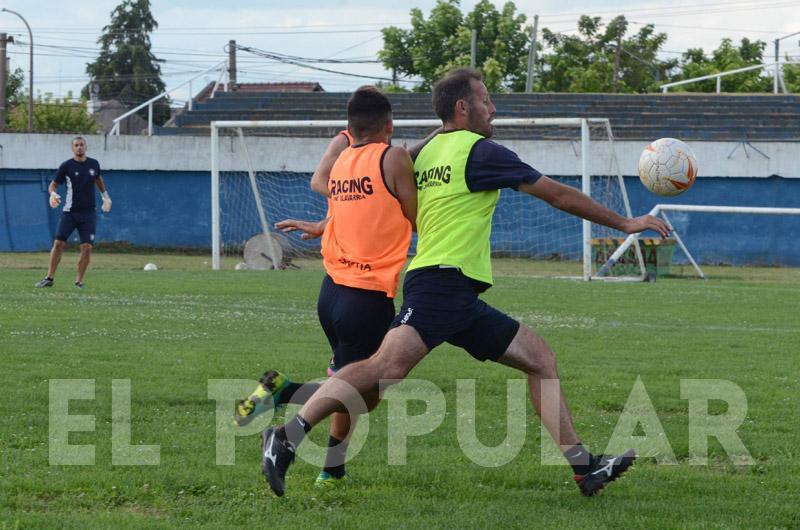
[161, 190]
[192, 153]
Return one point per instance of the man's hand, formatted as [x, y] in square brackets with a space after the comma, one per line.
[106, 207]
[55, 199]
[311, 230]
[646, 222]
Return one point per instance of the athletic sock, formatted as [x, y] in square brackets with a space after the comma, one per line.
[287, 394]
[334, 461]
[579, 458]
[295, 430]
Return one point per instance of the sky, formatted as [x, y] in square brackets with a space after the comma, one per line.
[192, 34]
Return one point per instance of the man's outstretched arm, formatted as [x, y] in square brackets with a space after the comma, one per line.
[572, 201]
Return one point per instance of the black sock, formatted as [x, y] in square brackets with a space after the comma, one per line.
[334, 461]
[579, 458]
[297, 393]
[296, 429]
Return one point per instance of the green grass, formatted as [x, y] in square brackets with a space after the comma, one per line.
[171, 331]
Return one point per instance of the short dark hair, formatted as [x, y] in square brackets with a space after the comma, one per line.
[452, 87]
[79, 138]
[368, 110]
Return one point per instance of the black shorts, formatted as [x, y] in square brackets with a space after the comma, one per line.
[85, 222]
[443, 306]
[354, 320]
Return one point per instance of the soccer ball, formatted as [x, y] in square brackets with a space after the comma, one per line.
[667, 167]
[151, 267]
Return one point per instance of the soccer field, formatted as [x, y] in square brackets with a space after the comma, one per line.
[172, 331]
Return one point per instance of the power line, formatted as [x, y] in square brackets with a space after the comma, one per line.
[297, 62]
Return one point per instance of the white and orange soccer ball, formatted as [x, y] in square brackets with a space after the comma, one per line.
[667, 167]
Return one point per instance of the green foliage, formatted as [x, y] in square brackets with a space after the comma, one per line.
[443, 42]
[585, 62]
[726, 57]
[126, 69]
[53, 115]
[390, 88]
[15, 89]
[791, 77]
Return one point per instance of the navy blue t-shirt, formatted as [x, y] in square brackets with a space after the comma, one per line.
[491, 166]
[80, 180]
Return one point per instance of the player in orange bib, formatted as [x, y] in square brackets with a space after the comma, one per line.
[372, 203]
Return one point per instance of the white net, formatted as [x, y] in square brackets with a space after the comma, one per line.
[284, 195]
[525, 230]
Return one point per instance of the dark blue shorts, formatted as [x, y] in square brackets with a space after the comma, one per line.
[85, 222]
[354, 320]
[443, 306]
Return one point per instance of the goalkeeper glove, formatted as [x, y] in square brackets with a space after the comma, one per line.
[106, 202]
[55, 199]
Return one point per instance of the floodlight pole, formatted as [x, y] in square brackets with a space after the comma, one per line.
[30, 69]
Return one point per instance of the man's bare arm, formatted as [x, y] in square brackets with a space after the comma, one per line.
[319, 181]
[399, 172]
[572, 201]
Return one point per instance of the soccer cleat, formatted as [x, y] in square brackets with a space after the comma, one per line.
[326, 480]
[604, 469]
[265, 396]
[278, 454]
[79, 285]
[45, 282]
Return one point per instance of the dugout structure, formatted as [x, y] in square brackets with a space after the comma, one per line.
[247, 200]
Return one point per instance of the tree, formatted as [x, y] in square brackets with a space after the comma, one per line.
[54, 115]
[727, 57]
[126, 69]
[443, 42]
[585, 62]
[15, 90]
[791, 77]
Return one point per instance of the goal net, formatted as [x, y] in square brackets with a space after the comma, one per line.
[261, 170]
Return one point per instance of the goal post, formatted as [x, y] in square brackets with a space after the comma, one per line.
[662, 209]
[610, 188]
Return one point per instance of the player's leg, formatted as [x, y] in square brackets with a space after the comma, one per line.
[65, 228]
[422, 323]
[401, 350]
[529, 353]
[355, 320]
[83, 263]
[86, 224]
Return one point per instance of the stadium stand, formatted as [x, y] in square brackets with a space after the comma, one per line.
[727, 117]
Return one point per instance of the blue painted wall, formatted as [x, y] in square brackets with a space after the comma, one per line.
[171, 209]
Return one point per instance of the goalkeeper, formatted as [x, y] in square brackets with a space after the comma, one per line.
[80, 174]
[372, 203]
[459, 173]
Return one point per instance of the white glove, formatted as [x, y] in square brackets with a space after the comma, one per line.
[106, 207]
[55, 199]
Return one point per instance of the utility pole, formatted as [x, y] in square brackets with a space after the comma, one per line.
[616, 61]
[532, 56]
[3, 80]
[777, 66]
[473, 49]
[30, 69]
[232, 63]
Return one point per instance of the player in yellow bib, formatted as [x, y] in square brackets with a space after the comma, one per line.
[459, 173]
